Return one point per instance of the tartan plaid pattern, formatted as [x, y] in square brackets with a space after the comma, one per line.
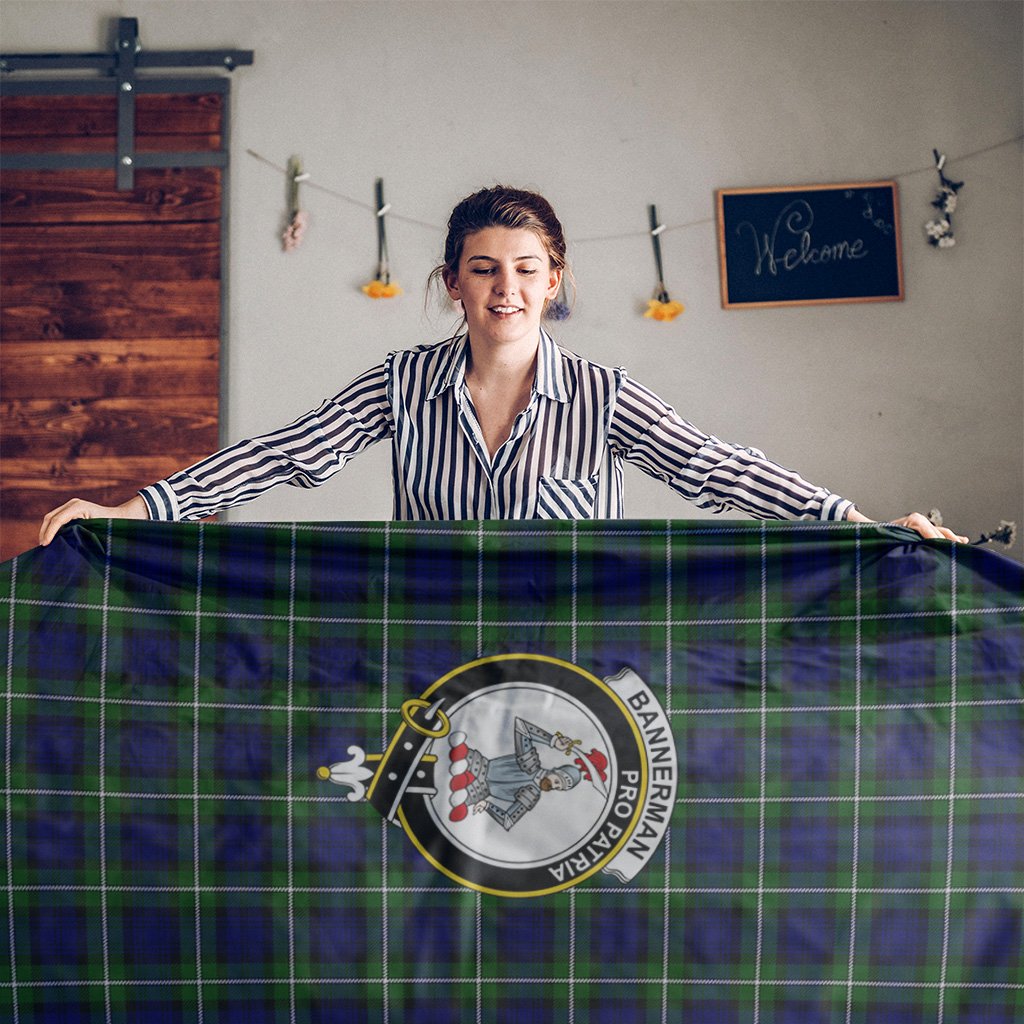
[847, 705]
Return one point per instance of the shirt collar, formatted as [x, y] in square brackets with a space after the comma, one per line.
[550, 378]
[551, 375]
[451, 370]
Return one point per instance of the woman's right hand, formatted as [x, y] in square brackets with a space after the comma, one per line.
[76, 508]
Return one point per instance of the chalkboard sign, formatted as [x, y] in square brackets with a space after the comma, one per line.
[810, 245]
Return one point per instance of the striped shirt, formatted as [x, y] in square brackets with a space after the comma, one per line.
[562, 460]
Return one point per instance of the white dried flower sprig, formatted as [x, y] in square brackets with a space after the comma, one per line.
[940, 231]
[1005, 533]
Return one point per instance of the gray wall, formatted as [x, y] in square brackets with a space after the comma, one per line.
[606, 107]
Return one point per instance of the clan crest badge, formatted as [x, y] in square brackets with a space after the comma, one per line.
[522, 775]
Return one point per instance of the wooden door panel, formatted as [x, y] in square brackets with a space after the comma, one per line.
[119, 309]
[110, 308]
[80, 197]
[100, 252]
[31, 481]
[110, 369]
[105, 143]
[32, 484]
[51, 117]
[49, 429]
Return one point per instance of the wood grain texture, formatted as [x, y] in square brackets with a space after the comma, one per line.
[72, 428]
[32, 486]
[17, 535]
[110, 309]
[108, 144]
[110, 368]
[99, 252]
[84, 116]
[81, 197]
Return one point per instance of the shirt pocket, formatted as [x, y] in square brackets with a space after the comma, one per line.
[566, 498]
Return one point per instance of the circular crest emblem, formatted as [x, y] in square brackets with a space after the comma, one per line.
[521, 775]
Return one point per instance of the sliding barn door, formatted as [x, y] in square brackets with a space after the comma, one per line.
[110, 305]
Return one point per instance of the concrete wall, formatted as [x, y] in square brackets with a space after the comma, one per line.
[606, 107]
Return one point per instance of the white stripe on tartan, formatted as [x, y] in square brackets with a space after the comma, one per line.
[8, 768]
[512, 623]
[357, 708]
[572, 957]
[195, 771]
[762, 780]
[665, 931]
[878, 983]
[623, 890]
[692, 800]
[858, 597]
[291, 775]
[944, 966]
[104, 640]
[478, 907]
[385, 670]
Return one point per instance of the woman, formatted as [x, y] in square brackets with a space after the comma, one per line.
[498, 422]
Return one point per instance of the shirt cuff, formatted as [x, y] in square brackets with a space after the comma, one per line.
[834, 508]
[161, 502]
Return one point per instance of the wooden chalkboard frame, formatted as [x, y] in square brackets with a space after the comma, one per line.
[774, 201]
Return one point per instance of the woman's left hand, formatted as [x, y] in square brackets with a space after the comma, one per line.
[917, 522]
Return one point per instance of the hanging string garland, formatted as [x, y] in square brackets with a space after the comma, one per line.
[940, 232]
[381, 287]
[660, 307]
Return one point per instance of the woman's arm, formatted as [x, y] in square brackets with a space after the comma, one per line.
[716, 475]
[305, 453]
[712, 473]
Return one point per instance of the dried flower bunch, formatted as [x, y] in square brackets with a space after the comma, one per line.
[660, 307]
[940, 231]
[381, 287]
[1005, 533]
[292, 236]
[298, 218]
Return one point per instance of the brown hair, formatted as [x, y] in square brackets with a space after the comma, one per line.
[501, 207]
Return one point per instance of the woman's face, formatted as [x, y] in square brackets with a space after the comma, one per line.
[504, 280]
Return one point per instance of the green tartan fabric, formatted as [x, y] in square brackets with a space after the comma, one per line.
[846, 842]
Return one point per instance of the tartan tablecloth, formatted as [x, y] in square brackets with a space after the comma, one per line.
[806, 741]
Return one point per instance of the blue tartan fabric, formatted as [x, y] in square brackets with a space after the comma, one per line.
[233, 759]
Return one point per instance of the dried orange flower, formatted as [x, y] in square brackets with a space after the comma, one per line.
[657, 310]
[379, 290]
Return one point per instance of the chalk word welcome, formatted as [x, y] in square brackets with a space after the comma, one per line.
[795, 221]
